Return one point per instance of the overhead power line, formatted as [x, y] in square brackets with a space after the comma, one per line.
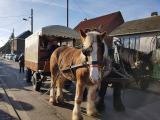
[12, 16]
[13, 23]
[80, 8]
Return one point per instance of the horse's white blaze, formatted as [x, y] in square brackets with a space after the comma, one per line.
[94, 74]
[94, 71]
[93, 56]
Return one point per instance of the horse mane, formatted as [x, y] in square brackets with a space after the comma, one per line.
[131, 56]
[128, 55]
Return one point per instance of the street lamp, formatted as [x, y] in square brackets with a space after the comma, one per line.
[30, 17]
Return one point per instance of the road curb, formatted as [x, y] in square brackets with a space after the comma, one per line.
[20, 114]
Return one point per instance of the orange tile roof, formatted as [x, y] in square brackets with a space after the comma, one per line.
[104, 21]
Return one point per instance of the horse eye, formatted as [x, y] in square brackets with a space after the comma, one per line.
[83, 46]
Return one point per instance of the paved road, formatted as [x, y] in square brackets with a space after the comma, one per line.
[32, 105]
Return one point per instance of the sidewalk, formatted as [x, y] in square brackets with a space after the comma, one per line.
[6, 110]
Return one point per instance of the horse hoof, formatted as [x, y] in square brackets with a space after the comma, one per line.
[77, 117]
[59, 99]
[94, 113]
[51, 100]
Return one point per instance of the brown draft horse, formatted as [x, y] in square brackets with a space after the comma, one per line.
[86, 71]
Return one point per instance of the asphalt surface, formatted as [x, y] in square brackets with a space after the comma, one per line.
[31, 105]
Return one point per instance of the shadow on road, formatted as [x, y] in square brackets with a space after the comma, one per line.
[19, 105]
[5, 116]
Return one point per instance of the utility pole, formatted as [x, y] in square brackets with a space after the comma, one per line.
[67, 13]
[32, 20]
[12, 41]
[30, 17]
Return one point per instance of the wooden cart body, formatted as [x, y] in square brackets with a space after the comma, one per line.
[37, 57]
[35, 50]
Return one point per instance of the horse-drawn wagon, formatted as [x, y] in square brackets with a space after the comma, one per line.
[136, 60]
[39, 47]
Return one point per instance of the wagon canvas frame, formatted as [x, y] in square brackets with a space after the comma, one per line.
[36, 53]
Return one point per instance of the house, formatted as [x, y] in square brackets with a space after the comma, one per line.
[18, 43]
[105, 23]
[141, 34]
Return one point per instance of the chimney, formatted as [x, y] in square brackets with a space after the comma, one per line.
[85, 19]
[154, 14]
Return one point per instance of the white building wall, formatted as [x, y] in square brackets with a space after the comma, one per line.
[141, 42]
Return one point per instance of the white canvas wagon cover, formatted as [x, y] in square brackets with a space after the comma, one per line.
[32, 43]
[59, 31]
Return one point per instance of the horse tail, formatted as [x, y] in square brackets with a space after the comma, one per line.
[54, 69]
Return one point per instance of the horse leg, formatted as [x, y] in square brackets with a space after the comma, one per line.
[52, 91]
[76, 114]
[117, 101]
[59, 93]
[54, 78]
[101, 94]
[91, 98]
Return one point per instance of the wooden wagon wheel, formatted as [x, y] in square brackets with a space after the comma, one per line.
[36, 81]
[28, 75]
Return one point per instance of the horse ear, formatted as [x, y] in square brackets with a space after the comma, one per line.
[83, 35]
[103, 35]
[99, 27]
[87, 30]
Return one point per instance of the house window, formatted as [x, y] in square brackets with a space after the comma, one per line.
[132, 43]
[137, 43]
[126, 42]
[158, 41]
[121, 41]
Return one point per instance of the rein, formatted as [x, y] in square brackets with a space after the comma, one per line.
[86, 64]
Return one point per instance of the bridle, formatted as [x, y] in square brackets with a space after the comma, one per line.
[87, 63]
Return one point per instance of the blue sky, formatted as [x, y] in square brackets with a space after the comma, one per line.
[53, 12]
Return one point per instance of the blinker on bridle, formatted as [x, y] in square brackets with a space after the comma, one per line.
[87, 52]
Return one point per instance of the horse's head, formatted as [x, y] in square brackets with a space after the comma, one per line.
[94, 49]
[117, 42]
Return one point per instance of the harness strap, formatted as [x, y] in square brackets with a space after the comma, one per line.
[74, 67]
[71, 67]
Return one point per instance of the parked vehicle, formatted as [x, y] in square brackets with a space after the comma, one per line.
[10, 56]
[36, 51]
[6, 56]
[3, 56]
[15, 58]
